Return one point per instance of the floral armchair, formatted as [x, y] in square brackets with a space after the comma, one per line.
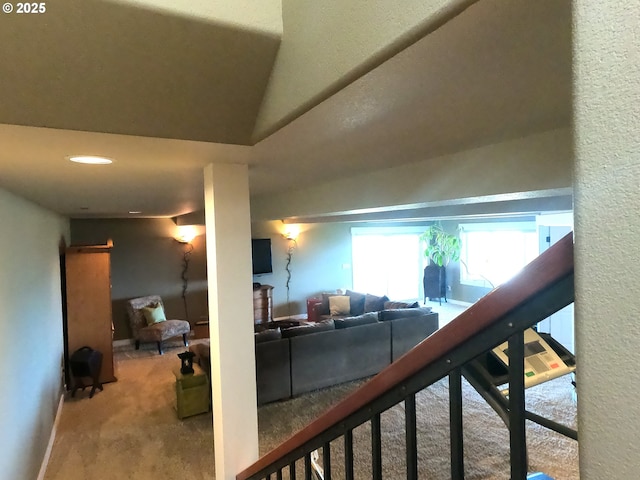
[149, 324]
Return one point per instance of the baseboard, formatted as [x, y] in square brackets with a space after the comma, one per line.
[123, 343]
[52, 437]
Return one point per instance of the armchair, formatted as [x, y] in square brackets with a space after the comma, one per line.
[154, 332]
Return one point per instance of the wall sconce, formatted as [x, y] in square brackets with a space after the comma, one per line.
[291, 232]
[186, 234]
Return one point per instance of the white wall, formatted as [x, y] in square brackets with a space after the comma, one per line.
[607, 228]
[31, 342]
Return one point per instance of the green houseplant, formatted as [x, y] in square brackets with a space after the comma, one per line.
[441, 247]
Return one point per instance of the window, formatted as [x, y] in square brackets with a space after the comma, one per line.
[492, 253]
[387, 261]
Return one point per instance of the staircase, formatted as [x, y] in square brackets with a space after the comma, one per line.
[541, 289]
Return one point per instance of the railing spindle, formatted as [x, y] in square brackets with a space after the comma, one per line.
[376, 448]
[326, 461]
[292, 471]
[307, 466]
[348, 455]
[411, 437]
[517, 433]
[279, 474]
[455, 424]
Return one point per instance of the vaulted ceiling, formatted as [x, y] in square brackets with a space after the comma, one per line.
[164, 92]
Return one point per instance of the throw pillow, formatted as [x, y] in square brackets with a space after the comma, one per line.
[373, 303]
[154, 315]
[339, 305]
[357, 302]
[324, 310]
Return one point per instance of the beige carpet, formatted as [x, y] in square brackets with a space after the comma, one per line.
[485, 436]
[130, 430]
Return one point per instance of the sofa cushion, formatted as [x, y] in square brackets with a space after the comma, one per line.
[308, 328]
[364, 319]
[373, 303]
[392, 305]
[268, 335]
[356, 302]
[402, 313]
[339, 305]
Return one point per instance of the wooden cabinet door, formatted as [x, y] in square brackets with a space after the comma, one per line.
[88, 290]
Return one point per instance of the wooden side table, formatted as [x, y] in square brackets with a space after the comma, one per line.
[192, 392]
[201, 329]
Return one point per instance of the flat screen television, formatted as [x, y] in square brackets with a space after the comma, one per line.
[261, 255]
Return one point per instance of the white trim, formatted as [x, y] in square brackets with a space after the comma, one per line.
[123, 343]
[52, 437]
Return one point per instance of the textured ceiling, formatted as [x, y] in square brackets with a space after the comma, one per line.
[175, 93]
[112, 67]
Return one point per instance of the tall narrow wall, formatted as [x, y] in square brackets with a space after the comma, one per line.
[607, 227]
[31, 341]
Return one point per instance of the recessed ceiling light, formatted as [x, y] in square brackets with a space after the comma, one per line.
[90, 159]
[134, 212]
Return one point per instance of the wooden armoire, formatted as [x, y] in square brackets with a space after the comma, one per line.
[87, 304]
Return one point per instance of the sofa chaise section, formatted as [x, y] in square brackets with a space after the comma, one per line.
[335, 356]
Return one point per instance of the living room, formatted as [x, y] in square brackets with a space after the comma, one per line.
[147, 259]
[140, 244]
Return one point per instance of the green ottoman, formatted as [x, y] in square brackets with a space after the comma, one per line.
[192, 392]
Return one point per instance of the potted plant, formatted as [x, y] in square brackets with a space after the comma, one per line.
[440, 248]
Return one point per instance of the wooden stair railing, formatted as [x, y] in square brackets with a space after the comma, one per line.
[541, 289]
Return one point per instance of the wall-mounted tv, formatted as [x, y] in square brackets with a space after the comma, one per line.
[261, 255]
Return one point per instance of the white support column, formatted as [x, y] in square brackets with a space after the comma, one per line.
[233, 379]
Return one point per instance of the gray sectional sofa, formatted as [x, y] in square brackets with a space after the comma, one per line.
[304, 358]
[297, 357]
